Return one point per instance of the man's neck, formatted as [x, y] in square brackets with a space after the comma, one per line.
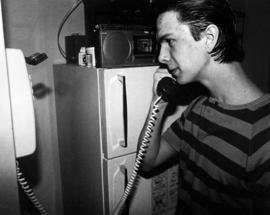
[229, 84]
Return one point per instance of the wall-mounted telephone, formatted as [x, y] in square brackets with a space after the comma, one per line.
[168, 89]
[22, 107]
[23, 116]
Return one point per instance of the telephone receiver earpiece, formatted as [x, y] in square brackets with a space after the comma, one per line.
[168, 89]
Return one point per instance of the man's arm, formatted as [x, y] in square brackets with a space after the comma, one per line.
[158, 150]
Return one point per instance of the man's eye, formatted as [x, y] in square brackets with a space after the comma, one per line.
[170, 42]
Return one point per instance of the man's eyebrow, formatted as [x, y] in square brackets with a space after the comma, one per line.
[162, 37]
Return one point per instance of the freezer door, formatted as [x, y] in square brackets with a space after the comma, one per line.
[126, 95]
[153, 196]
[117, 172]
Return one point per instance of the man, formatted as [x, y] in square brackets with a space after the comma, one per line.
[222, 141]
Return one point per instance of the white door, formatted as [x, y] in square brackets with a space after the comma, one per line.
[127, 95]
[117, 172]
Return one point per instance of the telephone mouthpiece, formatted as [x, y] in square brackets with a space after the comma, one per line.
[168, 89]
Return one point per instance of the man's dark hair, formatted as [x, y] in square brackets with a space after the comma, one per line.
[198, 14]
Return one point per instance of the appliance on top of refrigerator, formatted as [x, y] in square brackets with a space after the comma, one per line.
[100, 113]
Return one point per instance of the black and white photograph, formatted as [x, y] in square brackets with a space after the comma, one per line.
[135, 107]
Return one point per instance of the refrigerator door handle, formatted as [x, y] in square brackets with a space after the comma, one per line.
[122, 80]
[123, 169]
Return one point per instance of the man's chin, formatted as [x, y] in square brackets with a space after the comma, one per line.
[182, 81]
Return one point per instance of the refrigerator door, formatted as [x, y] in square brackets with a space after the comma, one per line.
[153, 196]
[127, 94]
[117, 172]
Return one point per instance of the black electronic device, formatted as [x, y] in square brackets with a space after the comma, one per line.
[124, 45]
[169, 89]
[124, 12]
[73, 44]
[36, 58]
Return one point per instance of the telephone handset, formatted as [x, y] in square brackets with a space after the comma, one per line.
[168, 89]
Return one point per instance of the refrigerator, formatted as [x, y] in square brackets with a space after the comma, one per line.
[100, 113]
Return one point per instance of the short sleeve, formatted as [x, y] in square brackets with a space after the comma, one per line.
[173, 134]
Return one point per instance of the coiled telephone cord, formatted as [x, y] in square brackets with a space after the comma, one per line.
[139, 158]
[28, 191]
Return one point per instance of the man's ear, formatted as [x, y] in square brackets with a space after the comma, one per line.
[211, 36]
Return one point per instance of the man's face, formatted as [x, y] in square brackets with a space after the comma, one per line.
[185, 57]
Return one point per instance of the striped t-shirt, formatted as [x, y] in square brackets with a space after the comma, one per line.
[224, 153]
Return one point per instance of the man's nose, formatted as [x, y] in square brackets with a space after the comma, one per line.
[163, 56]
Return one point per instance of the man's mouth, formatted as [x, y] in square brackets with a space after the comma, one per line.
[173, 72]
